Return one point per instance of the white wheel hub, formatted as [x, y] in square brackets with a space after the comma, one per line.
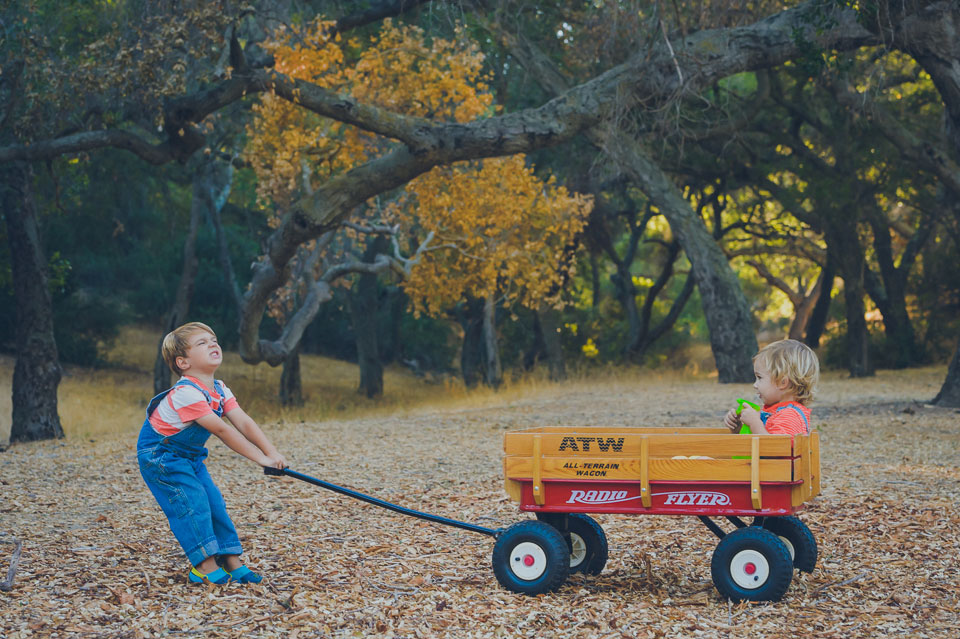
[528, 561]
[578, 550]
[786, 542]
[749, 569]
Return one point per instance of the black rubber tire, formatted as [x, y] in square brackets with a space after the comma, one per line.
[583, 531]
[556, 564]
[796, 532]
[772, 551]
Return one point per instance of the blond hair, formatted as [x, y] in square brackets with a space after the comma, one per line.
[795, 362]
[176, 343]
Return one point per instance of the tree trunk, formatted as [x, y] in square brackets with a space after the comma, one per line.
[889, 290]
[891, 301]
[949, 394]
[550, 328]
[821, 310]
[594, 281]
[291, 384]
[626, 294]
[470, 316]
[188, 273]
[36, 374]
[493, 373]
[851, 263]
[393, 349]
[803, 312]
[364, 309]
[538, 349]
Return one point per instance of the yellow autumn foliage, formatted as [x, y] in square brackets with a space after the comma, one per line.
[498, 229]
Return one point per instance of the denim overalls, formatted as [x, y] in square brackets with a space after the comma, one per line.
[764, 415]
[176, 475]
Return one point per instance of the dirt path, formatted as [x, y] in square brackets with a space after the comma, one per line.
[98, 559]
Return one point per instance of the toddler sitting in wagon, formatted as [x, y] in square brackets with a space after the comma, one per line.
[786, 373]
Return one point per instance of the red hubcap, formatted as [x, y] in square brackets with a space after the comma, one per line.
[750, 569]
[528, 560]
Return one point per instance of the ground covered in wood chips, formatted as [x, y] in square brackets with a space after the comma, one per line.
[99, 560]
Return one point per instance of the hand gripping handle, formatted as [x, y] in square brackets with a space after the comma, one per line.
[270, 470]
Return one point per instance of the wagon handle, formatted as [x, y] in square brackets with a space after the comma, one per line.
[267, 470]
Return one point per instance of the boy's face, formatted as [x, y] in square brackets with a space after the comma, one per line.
[203, 355]
[768, 389]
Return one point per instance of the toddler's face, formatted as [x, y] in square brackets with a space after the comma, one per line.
[768, 389]
[203, 354]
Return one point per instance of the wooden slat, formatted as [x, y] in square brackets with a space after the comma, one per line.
[630, 430]
[755, 472]
[660, 444]
[658, 468]
[802, 446]
[645, 472]
[513, 488]
[797, 495]
[537, 463]
[815, 461]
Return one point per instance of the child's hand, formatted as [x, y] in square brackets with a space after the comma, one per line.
[732, 421]
[275, 460]
[751, 417]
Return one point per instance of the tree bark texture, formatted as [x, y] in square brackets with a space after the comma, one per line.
[493, 371]
[36, 374]
[949, 394]
[291, 383]
[821, 310]
[851, 261]
[549, 319]
[472, 357]
[364, 307]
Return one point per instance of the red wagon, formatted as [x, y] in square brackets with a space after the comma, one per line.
[561, 475]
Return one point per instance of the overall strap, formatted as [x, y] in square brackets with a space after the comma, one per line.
[206, 395]
[799, 412]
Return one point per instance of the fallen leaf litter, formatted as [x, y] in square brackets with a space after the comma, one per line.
[98, 559]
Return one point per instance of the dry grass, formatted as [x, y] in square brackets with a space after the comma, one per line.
[98, 402]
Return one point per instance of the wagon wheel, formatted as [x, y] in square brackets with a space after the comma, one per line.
[751, 564]
[531, 558]
[585, 539]
[797, 538]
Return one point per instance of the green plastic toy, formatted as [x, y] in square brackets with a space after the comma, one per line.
[744, 429]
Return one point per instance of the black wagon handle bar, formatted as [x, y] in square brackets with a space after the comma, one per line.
[383, 504]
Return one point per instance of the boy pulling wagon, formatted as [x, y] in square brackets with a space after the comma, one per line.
[170, 452]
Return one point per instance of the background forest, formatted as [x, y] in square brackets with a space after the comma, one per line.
[397, 183]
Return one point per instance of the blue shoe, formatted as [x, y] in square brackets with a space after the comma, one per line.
[218, 576]
[244, 575]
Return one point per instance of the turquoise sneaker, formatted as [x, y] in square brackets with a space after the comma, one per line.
[218, 576]
[244, 575]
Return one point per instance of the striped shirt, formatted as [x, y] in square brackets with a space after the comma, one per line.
[787, 418]
[184, 404]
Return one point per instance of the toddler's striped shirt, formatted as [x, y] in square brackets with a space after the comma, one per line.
[787, 418]
[185, 403]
